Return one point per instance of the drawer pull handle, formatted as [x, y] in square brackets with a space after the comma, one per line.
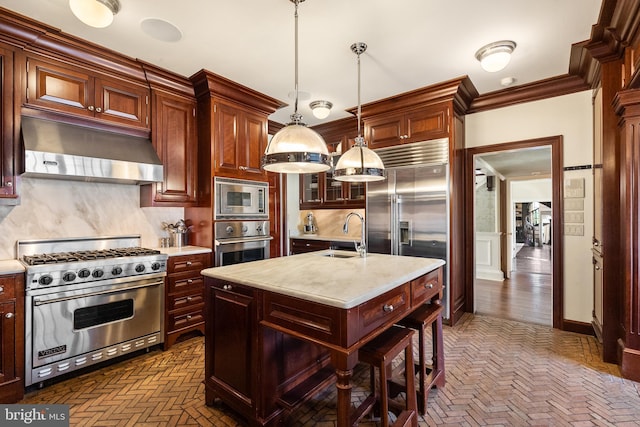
[189, 281]
[189, 299]
[388, 308]
[8, 315]
[188, 317]
[1, 288]
[189, 263]
[227, 287]
[428, 285]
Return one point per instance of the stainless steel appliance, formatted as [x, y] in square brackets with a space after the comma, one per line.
[241, 241]
[407, 214]
[89, 300]
[240, 199]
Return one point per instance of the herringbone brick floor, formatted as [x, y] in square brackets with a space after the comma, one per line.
[499, 373]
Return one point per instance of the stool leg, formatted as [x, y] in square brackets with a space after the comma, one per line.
[384, 396]
[422, 375]
[438, 353]
[410, 380]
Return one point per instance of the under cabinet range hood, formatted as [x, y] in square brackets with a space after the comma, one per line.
[59, 150]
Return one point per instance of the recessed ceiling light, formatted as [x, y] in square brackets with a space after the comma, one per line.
[161, 30]
[507, 81]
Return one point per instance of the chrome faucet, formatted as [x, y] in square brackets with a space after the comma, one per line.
[361, 248]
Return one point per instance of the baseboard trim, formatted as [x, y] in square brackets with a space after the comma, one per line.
[578, 327]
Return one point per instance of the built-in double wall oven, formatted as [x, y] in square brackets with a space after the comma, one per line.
[241, 221]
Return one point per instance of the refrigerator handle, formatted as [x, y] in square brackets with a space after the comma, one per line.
[395, 246]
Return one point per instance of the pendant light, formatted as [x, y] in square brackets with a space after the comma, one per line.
[359, 164]
[95, 13]
[295, 148]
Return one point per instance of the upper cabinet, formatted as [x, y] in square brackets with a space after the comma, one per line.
[415, 125]
[173, 134]
[232, 131]
[8, 131]
[240, 140]
[61, 88]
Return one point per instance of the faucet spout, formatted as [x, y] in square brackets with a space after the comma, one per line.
[361, 248]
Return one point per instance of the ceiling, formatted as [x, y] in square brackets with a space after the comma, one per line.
[411, 43]
[532, 162]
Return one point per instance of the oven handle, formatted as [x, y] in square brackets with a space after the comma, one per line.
[244, 240]
[43, 300]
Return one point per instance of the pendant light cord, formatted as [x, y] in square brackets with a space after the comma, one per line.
[296, 117]
[359, 105]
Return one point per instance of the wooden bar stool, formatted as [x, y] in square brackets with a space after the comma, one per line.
[380, 353]
[433, 374]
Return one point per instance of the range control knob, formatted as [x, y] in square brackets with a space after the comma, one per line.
[45, 280]
[229, 229]
[116, 271]
[84, 273]
[245, 228]
[155, 266]
[69, 276]
[259, 228]
[97, 273]
[140, 268]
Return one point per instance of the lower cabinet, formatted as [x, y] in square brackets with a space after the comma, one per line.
[11, 338]
[184, 302]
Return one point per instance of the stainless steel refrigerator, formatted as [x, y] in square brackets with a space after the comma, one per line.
[407, 214]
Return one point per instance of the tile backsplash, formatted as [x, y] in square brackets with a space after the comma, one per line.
[330, 222]
[52, 208]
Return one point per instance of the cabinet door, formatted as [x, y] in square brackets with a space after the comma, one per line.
[8, 140]
[311, 189]
[121, 102]
[231, 335]
[255, 141]
[53, 86]
[426, 123]
[7, 341]
[227, 139]
[384, 131]
[174, 138]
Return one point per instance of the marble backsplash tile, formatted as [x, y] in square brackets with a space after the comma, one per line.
[57, 209]
[330, 222]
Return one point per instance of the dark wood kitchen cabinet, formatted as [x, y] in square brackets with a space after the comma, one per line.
[184, 302]
[11, 337]
[401, 127]
[9, 132]
[174, 137]
[70, 90]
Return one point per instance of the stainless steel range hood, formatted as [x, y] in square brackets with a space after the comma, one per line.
[64, 151]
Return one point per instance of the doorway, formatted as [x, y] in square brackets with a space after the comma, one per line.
[535, 297]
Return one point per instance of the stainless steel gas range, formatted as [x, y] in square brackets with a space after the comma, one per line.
[89, 300]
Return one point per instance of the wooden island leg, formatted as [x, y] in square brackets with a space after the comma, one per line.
[344, 364]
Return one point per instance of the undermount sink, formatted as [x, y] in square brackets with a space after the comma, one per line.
[334, 255]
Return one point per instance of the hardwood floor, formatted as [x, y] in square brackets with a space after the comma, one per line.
[527, 296]
[499, 373]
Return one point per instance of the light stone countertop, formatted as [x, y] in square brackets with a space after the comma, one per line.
[184, 250]
[11, 266]
[337, 282]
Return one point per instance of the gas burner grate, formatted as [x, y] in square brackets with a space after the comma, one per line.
[62, 257]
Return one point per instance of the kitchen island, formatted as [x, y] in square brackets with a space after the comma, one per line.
[279, 330]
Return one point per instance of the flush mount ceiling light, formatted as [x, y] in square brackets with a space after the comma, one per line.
[495, 56]
[95, 13]
[321, 109]
[295, 148]
[359, 164]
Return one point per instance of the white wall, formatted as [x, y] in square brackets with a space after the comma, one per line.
[571, 117]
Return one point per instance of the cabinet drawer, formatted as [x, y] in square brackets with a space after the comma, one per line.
[185, 320]
[380, 310]
[426, 287]
[185, 282]
[234, 288]
[7, 288]
[180, 302]
[299, 246]
[198, 262]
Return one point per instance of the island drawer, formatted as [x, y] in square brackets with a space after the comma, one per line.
[425, 287]
[233, 287]
[7, 287]
[185, 282]
[194, 262]
[381, 309]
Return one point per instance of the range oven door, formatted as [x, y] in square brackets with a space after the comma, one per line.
[235, 251]
[67, 330]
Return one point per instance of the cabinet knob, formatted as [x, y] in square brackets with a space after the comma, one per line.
[8, 315]
[188, 317]
[242, 168]
[189, 299]
[189, 263]
[1, 288]
[9, 184]
[98, 110]
[388, 308]
[189, 281]
[429, 285]
[227, 287]
[90, 108]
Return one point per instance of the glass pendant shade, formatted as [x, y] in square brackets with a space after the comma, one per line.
[296, 149]
[95, 13]
[359, 164]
